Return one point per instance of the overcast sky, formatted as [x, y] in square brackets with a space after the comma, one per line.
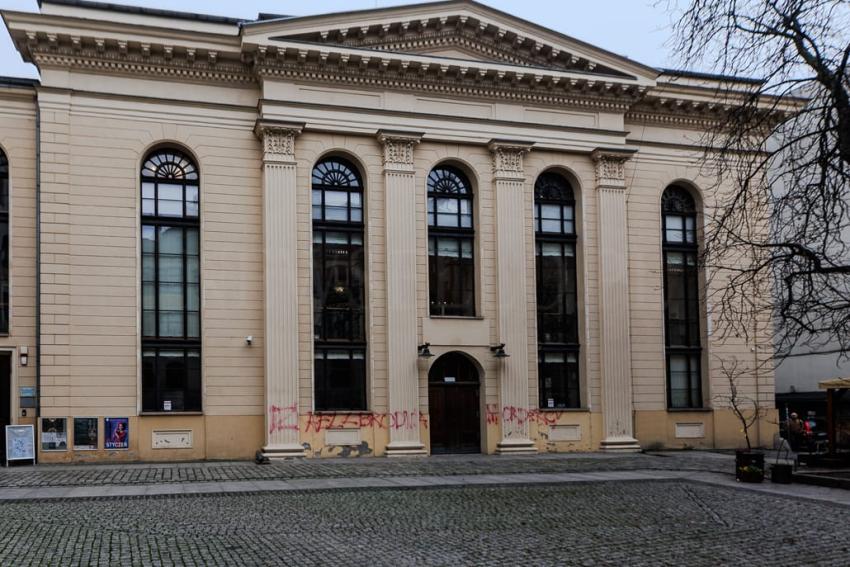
[635, 28]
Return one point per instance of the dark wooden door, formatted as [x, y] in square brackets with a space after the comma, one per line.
[5, 401]
[453, 405]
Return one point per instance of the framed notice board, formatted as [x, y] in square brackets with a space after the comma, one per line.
[20, 443]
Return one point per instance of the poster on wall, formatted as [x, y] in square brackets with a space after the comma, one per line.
[20, 443]
[54, 434]
[85, 434]
[117, 434]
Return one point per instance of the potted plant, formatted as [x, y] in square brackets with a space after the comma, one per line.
[749, 464]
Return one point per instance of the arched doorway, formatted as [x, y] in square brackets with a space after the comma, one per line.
[453, 405]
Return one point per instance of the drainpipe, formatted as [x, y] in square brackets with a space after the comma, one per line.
[37, 259]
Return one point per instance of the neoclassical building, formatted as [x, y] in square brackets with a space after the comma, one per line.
[425, 229]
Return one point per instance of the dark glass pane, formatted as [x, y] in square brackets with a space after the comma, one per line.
[559, 381]
[451, 272]
[149, 381]
[557, 297]
[340, 379]
[685, 384]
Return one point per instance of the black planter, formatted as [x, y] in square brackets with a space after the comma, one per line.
[781, 474]
[749, 466]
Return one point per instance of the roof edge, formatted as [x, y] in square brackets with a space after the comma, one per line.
[142, 11]
[18, 82]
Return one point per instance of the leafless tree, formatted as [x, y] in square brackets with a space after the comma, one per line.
[786, 223]
[746, 409]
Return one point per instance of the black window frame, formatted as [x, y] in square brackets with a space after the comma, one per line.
[678, 202]
[554, 189]
[449, 182]
[337, 174]
[171, 166]
[5, 245]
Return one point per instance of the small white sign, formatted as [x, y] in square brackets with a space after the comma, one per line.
[20, 443]
[449, 379]
[166, 405]
[551, 402]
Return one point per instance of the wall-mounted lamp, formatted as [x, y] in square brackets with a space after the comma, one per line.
[249, 340]
[25, 358]
[425, 350]
[499, 351]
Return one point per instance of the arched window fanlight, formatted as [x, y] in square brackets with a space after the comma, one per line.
[171, 165]
[554, 205]
[335, 173]
[551, 186]
[678, 200]
[448, 180]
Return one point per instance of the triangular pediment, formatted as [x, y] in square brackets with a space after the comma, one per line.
[456, 30]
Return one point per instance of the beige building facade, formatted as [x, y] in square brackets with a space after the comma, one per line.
[402, 231]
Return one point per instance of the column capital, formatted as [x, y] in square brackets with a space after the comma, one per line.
[398, 149]
[278, 140]
[507, 158]
[610, 167]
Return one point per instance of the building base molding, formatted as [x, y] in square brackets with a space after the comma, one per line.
[402, 449]
[620, 445]
[516, 447]
[287, 451]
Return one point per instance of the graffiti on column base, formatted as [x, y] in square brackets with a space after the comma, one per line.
[405, 420]
[521, 416]
[283, 418]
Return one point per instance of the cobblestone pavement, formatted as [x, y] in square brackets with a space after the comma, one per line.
[646, 523]
[124, 474]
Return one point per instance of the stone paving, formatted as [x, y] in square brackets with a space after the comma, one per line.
[627, 523]
[123, 475]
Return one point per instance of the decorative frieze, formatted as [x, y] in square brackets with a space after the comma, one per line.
[398, 150]
[508, 159]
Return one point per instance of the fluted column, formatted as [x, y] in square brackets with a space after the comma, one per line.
[281, 293]
[509, 188]
[617, 407]
[400, 199]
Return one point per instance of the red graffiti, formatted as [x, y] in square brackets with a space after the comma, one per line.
[283, 419]
[521, 416]
[405, 420]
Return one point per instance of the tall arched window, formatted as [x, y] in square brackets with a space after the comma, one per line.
[451, 239]
[557, 292]
[4, 243]
[338, 287]
[681, 299]
[171, 283]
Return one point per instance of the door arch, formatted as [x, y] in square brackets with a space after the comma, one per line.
[453, 405]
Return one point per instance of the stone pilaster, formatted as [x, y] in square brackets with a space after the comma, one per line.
[617, 406]
[403, 373]
[509, 188]
[281, 293]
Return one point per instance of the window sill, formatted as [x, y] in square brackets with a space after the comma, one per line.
[458, 317]
[562, 410]
[690, 410]
[176, 413]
